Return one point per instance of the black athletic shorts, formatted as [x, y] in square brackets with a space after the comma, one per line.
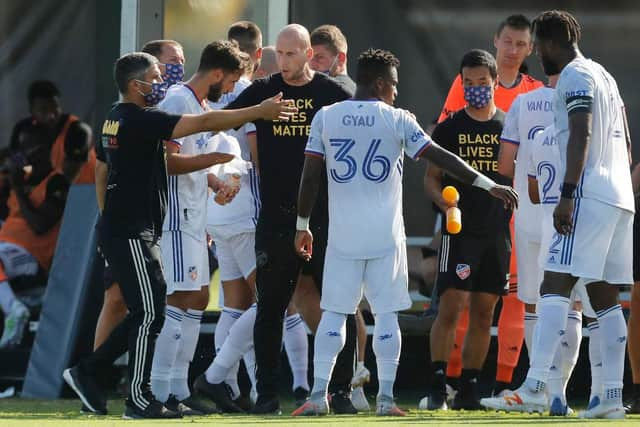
[636, 246]
[474, 263]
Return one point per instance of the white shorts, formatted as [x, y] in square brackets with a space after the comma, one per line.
[530, 273]
[17, 261]
[185, 262]
[600, 247]
[236, 255]
[384, 281]
[579, 294]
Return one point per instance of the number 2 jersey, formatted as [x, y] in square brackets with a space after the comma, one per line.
[363, 144]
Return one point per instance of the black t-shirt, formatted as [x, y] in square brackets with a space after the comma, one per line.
[478, 144]
[132, 145]
[345, 81]
[281, 146]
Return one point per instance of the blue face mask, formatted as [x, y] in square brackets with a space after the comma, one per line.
[158, 92]
[477, 96]
[174, 73]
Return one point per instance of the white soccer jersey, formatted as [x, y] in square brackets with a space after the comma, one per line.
[187, 192]
[530, 113]
[585, 85]
[545, 165]
[363, 144]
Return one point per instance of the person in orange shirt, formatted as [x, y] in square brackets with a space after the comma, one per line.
[513, 44]
[36, 204]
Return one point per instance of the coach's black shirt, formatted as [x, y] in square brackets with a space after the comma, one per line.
[478, 144]
[281, 146]
[132, 145]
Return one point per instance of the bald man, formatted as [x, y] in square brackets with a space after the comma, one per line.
[281, 152]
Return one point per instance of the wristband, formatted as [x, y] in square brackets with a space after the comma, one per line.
[302, 224]
[568, 190]
[483, 182]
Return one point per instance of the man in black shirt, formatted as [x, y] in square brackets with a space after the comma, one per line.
[131, 223]
[281, 155]
[474, 265]
[330, 55]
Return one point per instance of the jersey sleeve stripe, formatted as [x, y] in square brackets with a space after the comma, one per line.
[251, 132]
[308, 152]
[174, 142]
[422, 150]
[532, 176]
[510, 141]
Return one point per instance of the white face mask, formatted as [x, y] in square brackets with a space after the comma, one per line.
[333, 63]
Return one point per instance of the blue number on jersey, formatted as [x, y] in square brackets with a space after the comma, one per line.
[375, 168]
[548, 184]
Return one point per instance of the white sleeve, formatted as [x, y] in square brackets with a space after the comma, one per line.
[530, 162]
[249, 128]
[576, 89]
[315, 145]
[174, 104]
[511, 129]
[414, 139]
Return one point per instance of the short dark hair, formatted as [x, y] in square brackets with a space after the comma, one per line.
[374, 63]
[517, 22]
[331, 37]
[222, 54]
[247, 34]
[479, 58]
[154, 47]
[558, 26]
[131, 66]
[45, 89]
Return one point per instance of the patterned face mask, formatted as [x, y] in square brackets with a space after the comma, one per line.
[174, 73]
[477, 96]
[158, 92]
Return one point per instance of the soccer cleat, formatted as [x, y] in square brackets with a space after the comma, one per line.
[361, 376]
[301, 395]
[243, 402]
[219, 393]
[593, 402]
[604, 409]
[451, 393]
[155, 410]
[634, 406]
[385, 406]
[14, 325]
[84, 410]
[467, 398]
[359, 400]
[266, 406]
[189, 407]
[558, 408]
[434, 402]
[520, 400]
[87, 390]
[313, 406]
[341, 404]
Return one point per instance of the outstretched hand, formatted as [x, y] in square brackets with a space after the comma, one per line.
[276, 108]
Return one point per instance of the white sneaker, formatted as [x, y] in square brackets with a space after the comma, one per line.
[451, 394]
[361, 376]
[520, 400]
[386, 407]
[605, 409]
[359, 400]
[14, 325]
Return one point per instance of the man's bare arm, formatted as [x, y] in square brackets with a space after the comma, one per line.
[309, 185]
[102, 171]
[507, 159]
[178, 164]
[433, 185]
[579, 140]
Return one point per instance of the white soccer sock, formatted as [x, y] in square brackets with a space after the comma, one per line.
[180, 371]
[329, 341]
[228, 317]
[296, 344]
[570, 348]
[387, 342]
[239, 341]
[595, 359]
[552, 320]
[250, 364]
[530, 320]
[7, 297]
[613, 342]
[165, 353]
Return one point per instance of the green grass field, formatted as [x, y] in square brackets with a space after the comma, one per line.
[65, 413]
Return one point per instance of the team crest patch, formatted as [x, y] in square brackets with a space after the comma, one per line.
[193, 272]
[463, 271]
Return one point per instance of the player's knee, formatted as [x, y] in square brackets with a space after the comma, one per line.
[114, 301]
[481, 319]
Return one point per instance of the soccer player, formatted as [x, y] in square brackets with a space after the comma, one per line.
[634, 313]
[184, 243]
[474, 265]
[593, 218]
[363, 141]
[513, 45]
[130, 228]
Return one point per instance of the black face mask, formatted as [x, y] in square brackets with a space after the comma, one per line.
[215, 92]
[550, 68]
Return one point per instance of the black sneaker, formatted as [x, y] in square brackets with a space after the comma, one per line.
[301, 395]
[468, 397]
[267, 406]
[437, 402]
[86, 411]
[340, 402]
[189, 407]
[634, 406]
[87, 390]
[219, 393]
[243, 402]
[155, 410]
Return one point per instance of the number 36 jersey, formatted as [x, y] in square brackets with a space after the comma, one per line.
[363, 145]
